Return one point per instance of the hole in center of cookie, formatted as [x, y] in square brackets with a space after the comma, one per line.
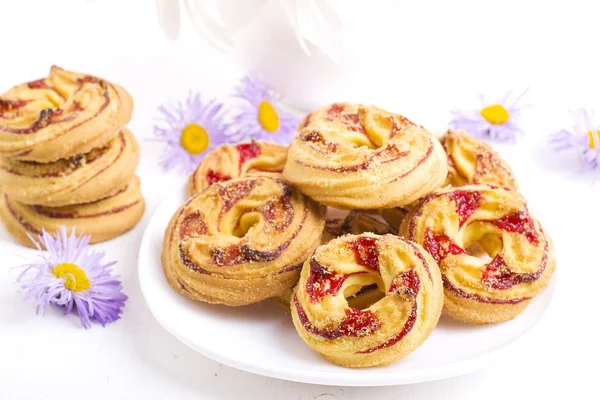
[485, 247]
[365, 297]
[245, 223]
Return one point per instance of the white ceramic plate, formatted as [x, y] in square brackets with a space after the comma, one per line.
[261, 338]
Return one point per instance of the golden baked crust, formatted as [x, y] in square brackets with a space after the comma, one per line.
[471, 160]
[351, 156]
[103, 220]
[61, 116]
[241, 241]
[521, 257]
[230, 161]
[82, 179]
[384, 332]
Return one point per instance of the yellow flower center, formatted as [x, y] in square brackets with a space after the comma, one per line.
[194, 139]
[495, 114]
[268, 117]
[594, 139]
[75, 278]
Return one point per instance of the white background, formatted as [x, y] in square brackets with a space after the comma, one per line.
[462, 47]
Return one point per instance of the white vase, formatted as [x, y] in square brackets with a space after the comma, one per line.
[269, 46]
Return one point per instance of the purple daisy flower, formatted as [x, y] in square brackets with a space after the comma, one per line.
[497, 121]
[191, 129]
[259, 117]
[584, 137]
[71, 276]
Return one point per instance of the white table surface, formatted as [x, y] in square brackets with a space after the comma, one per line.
[54, 358]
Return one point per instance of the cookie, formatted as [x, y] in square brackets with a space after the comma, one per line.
[386, 331]
[81, 179]
[351, 156]
[471, 160]
[241, 241]
[61, 116]
[103, 220]
[519, 259]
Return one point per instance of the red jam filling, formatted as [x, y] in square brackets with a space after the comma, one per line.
[192, 225]
[497, 275]
[357, 323]
[440, 245]
[466, 203]
[216, 177]
[334, 111]
[279, 213]
[519, 222]
[365, 252]
[322, 281]
[352, 122]
[233, 192]
[315, 137]
[408, 325]
[487, 300]
[11, 105]
[247, 152]
[390, 153]
[39, 84]
[409, 280]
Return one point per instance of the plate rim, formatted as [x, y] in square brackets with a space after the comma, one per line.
[462, 367]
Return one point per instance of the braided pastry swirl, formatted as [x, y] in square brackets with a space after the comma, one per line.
[447, 223]
[81, 179]
[471, 160]
[387, 330]
[241, 241]
[61, 116]
[103, 219]
[352, 156]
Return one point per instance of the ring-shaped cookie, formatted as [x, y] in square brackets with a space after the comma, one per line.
[352, 156]
[61, 116]
[386, 331]
[230, 161]
[241, 241]
[82, 179]
[521, 258]
[472, 161]
[103, 220]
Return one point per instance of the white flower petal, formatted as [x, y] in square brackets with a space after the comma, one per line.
[236, 14]
[168, 17]
[207, 25]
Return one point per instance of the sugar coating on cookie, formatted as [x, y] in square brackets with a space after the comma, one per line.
[61, 116]
[103, 219]
[471, 160]
[85, 178]
[241, 241]
[352, 156]
[494, 256]
[230, 161]
[393, 326]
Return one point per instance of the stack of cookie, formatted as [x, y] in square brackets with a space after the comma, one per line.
[432, 224]
[66, 158]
